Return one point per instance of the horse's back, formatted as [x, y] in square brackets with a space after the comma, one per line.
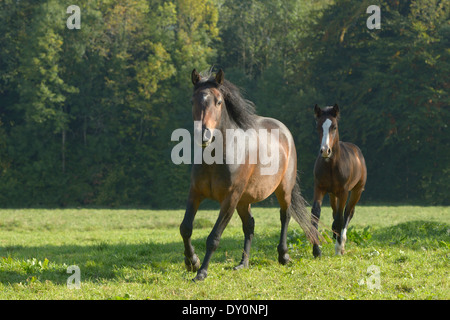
[285, 135]
[286, 141]
[260, 186]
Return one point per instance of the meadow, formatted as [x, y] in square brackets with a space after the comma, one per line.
[138, 254]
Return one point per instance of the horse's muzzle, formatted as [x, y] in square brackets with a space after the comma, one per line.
[325, 152]
[207, 137]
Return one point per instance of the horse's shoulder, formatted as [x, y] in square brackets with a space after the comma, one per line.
[350, 148]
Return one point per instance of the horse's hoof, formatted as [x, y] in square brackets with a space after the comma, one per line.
[192, 264]
[242, 265]
[284, 259]
[339, 249]
[317, 253]
[201, 275]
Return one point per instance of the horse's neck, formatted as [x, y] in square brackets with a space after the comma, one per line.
[336, 149]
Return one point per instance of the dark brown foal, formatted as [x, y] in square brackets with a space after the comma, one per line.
[340, 169]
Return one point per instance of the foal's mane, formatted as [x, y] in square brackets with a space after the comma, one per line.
[240, 110]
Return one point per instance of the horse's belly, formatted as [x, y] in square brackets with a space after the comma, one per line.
[259, 189]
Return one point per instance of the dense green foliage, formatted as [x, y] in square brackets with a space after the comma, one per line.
[86, 115]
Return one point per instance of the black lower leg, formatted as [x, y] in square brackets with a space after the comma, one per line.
[315, 211]
[191, 260]
[212, 242]
[248, 228]
[283, 256]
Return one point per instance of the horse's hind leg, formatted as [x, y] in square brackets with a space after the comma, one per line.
[315, 211]
[284, 199]
[191, 260]
[248, 225]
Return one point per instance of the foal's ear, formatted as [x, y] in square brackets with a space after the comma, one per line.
[195, 77]
[220, 76]
[317, 111]
[335, 110]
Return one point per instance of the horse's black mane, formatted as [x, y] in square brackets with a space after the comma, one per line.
[240, 110]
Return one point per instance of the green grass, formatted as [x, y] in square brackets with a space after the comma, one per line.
[138, 254]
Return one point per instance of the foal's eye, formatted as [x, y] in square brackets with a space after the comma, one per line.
[219, 102]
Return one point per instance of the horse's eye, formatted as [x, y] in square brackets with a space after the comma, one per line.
[219, 102]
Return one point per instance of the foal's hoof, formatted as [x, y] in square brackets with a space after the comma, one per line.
[201, 275]
[317, 253]
[339, 249]
[192, 264]
[284, 259]
[242, 265]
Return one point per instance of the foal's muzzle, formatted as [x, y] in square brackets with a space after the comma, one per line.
[325, 152]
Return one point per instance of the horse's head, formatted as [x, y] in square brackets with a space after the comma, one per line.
[327, 127]
[207, 104]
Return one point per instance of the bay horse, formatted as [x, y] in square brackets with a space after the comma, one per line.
[340, 168]
[218, 106]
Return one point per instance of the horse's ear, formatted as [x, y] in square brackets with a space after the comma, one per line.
[195, 77]
[220, 76]
[317, 111]
[336, 110]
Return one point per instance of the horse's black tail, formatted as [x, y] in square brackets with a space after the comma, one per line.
[298, 210]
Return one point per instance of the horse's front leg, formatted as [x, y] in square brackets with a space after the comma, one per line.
[226, 212]
[248, 226]
[191, 260]
[338, 223]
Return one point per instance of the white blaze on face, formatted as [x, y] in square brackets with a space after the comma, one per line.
[205, 97]
[326, 134]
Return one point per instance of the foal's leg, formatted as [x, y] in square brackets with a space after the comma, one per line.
[349, 211]
[212, 242]
[248, 225]
[338, 223]
[191, 260]
[334, 206]
[315, 211]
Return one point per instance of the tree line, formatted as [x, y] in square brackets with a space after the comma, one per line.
[86, 115]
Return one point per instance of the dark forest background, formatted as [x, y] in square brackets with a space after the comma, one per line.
[86, 115]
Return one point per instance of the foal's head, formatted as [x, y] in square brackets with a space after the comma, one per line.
[327, 127]
[207, 104]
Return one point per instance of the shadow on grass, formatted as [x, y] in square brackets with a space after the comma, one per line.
[104, 261]
[410, 232]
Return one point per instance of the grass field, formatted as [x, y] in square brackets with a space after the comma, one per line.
[138, 254]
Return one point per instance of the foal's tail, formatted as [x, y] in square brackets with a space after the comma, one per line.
[298, 210]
